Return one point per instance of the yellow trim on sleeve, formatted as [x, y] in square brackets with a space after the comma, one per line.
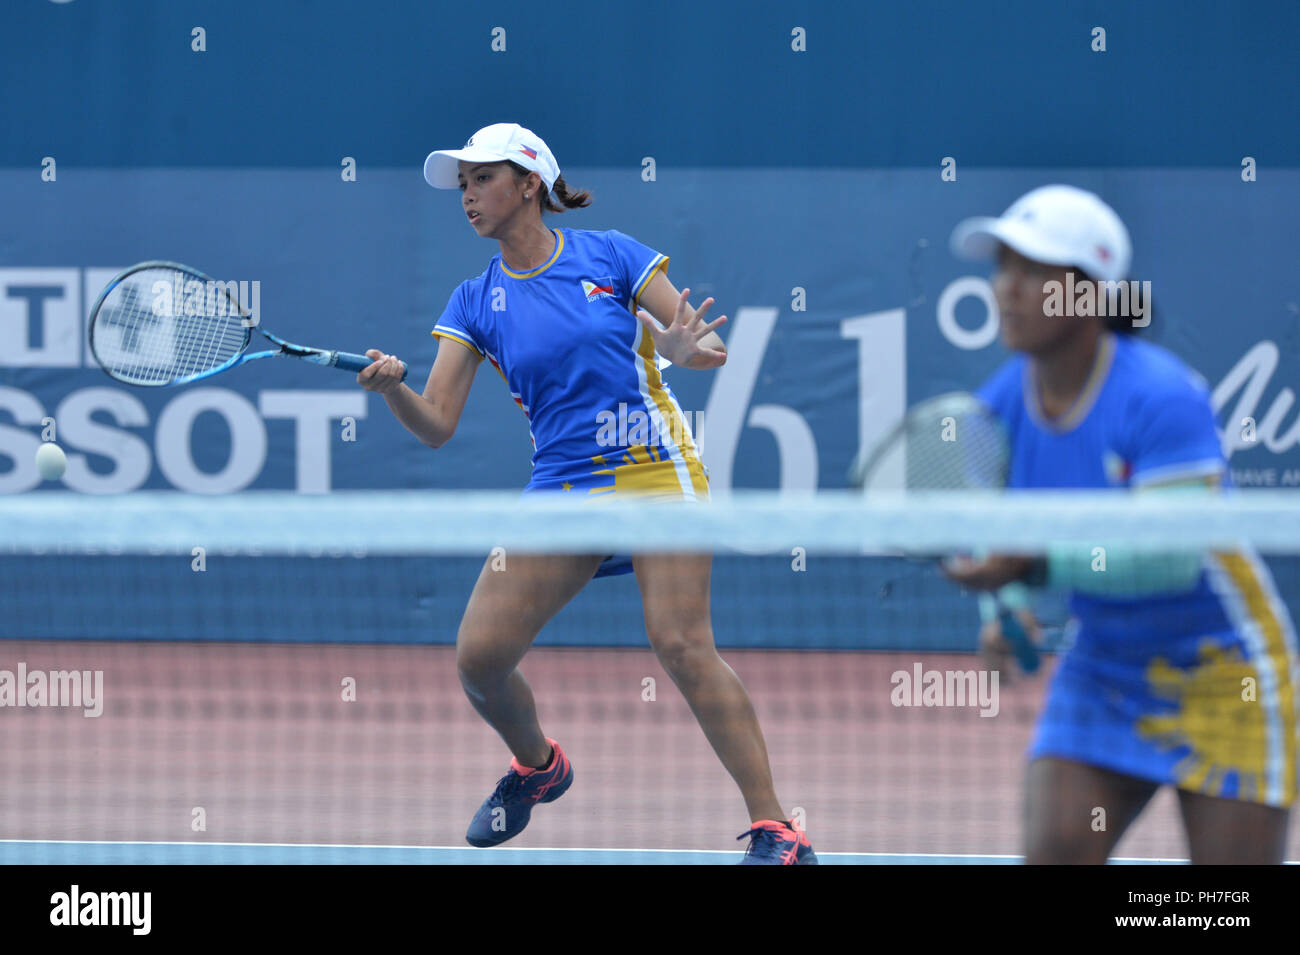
[456, 338]
[660, 266]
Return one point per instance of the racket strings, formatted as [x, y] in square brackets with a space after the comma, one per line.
[160, 325]
[203, 340]
[950, 442]
[203, 337]
[955, 452]
[953, 442]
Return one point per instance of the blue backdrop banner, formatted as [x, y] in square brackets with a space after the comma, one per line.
[845, 306]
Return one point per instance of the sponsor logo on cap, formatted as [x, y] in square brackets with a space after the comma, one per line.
[1103, 253]
[600, 288]
[528, 152]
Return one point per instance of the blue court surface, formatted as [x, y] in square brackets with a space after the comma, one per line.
[15, 852]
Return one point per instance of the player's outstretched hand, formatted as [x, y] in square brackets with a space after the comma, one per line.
[680, 341]
[383, 376]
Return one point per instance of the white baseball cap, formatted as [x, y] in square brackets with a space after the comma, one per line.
[493, 144]
[1057, 225]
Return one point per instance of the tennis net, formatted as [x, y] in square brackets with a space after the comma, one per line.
[274, 669]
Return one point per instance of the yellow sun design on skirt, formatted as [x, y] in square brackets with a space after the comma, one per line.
[1217, 718]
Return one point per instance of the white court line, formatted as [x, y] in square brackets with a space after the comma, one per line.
[464, 848]
[347, 845]
[352, 845]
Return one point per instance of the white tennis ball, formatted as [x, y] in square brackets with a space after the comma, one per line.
[51, 461]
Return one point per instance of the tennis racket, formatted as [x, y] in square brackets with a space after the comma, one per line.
[162, 323]
[951, 442]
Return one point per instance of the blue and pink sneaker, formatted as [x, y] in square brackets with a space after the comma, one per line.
[505, 813]
[777, 843]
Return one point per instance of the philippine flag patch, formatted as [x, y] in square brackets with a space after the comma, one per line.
[1118, 471]
[598, 288]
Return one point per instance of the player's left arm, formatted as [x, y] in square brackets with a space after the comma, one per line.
[680, 329]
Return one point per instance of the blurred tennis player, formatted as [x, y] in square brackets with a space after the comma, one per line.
[1184, 667]
[556, 314]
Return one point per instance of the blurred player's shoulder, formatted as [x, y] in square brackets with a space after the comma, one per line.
[1155, 371]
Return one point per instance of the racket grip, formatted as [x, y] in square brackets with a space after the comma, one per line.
[350, 362]
[1025, 651]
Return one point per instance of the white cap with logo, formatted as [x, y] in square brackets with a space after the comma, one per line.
[1056, 225]
[493, 144]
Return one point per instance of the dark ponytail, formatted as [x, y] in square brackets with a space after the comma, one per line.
[567, 199]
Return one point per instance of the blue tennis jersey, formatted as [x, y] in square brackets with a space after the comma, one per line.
[1143, 417]
[579, 364]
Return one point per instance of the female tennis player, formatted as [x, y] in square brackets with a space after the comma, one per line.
[556, 314]
[1184, 667]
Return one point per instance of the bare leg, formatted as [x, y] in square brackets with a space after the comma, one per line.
[506, 612]
[675, 595]
[1233, 832]
[1062, 822]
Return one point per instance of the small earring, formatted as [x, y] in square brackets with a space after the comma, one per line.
[527, 195]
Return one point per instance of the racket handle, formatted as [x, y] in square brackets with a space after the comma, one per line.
[1026, 652]
[350, 362]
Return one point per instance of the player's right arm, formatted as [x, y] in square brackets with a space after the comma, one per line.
[432, 417]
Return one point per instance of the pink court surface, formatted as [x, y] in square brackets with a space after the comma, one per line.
[258, 741]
